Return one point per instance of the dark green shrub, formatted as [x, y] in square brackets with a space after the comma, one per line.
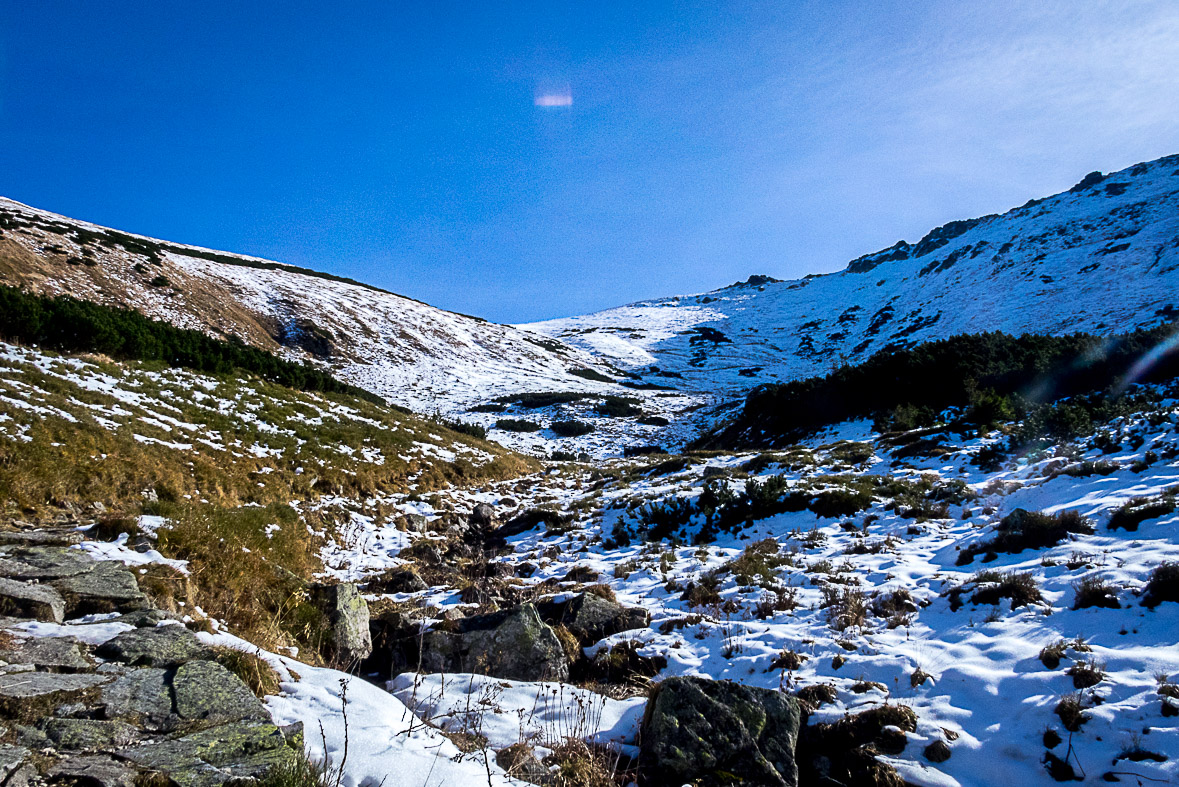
[462, 427]
[590, 374]
[516, 425]
[839, 502]
[571, 428]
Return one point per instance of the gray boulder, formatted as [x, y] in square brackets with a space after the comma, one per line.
[717, 732]
[89, 734]
[513, 644]
[163, 646]
[44, 563]
[591, 618]
[231, 753]
[142, 697]
[26, 696]
[482, 516]
[52, 654]
[92, 770]
[107, 587]
[206, 691]
[31, 601]
[348, 612]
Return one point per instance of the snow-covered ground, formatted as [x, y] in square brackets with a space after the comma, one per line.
[972, 671]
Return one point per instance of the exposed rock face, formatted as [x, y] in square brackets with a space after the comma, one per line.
[715, 732]
[348, 612]
[31, 601]
[482, 516]
[591, 618]
[163, 646]
[513, 644]
[149, 701]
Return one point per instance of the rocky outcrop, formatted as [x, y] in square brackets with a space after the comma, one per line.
[514, 644]
[148, 706]
[590, 618]
[348, 613]
[711, 732]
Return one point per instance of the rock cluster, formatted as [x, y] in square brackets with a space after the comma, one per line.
[150, 700]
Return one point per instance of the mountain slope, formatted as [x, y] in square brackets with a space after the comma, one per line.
[406, 351]
[1102, 257]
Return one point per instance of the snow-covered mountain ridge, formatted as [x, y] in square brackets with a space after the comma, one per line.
[1102, 257]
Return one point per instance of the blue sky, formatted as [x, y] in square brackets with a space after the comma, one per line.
[693, 144]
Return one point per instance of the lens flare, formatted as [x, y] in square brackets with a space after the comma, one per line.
[1144, 364]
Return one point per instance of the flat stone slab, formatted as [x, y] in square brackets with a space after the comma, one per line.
[15, 768]
[162, 646]
[204, 690]
[53, 653]
[94, 770]
[215, 756]
[90, 734]
[56, 538]
[107, 587]
[142, 697]
[23, 600]
[32, 695]
[44, 562]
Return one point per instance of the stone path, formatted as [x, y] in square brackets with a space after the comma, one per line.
[148, 705]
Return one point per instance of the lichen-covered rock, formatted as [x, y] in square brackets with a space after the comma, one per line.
[44, 563]
[206, 691]
[348, 612]
[16, 768]
[93, 770]
[53, 654]
[591, 618]
[107, 587]
[31, 695]
[513, 644]
[717, 732]
[215, 756]
[56, 538]
[89, 734]
[163, 646]
[142, 697]
[22, 600]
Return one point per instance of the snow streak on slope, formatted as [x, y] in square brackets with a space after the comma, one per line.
[411, 353]
[1102, 257]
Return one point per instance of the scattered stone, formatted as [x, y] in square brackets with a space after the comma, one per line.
[48, 653]
[57, 538]
[206, 691]
[938, 751]
[15, 768]
[399, 580]
[220, 755]
[93, 771]
[520, 763]
[108, 587]
[31, 601]
[513, 644]
[26, 696]
[482, 516]
[591, 618]
[417, 523]
[163, 646]
[348, 612]
[89, 734]
[144, 618]
[706, 730]
[45, 563]
[142, 697]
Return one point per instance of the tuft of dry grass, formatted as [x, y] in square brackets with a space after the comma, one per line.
[254, 671]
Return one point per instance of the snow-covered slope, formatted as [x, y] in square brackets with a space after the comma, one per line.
[411, 353]
[1102, 257]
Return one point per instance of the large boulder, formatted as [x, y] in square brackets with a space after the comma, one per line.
[49, 654]
[710, 732]
[229, 754]
[107, 587]
[514, 644]
[348, 612]
[163, 646]
[590, 618]
[31, 601]
[27, 696]
[206, 691]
